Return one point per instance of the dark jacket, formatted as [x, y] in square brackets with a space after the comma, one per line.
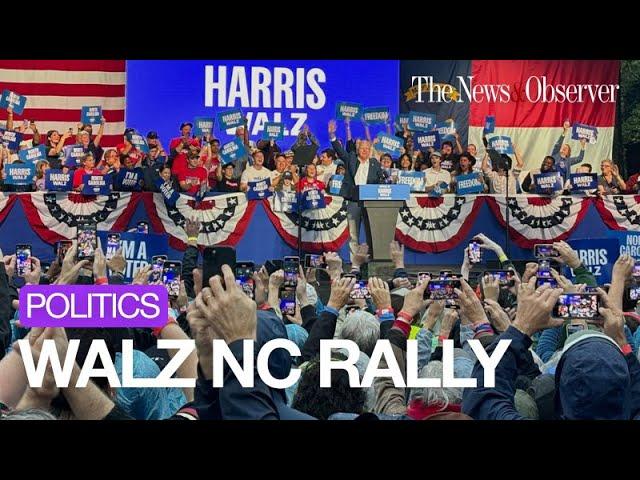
[349, 189]
[5, 311]
[189, 262]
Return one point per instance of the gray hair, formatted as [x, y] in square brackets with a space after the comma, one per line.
[443, 396]
[29, 414]
[362, 328]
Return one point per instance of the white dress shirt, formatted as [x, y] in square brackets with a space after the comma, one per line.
[362, 173]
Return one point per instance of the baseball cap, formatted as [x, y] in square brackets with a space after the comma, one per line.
[435, 154]
[289, 153]
[184, 124]
[287, 175]
[152, 134]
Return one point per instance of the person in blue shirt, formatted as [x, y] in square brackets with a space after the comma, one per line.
[562, 153]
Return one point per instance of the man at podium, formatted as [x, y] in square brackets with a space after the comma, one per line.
[361, 169]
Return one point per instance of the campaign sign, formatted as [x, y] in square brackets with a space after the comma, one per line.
[259, 190]
[129, 180]
[501, 144]
[34, 154]
[232, 151]
[285, 202]
[168, 192]
[547, 183]
[428, 140]
[402, 120]
[72, 155]
[583, 181]
[312, 199]
[19, 174]
[230, 119]
[375, 115]
[388, 144]
[273, 131]
[96, 184]
[598, 255]
[439, 189]
[383, 192]
[421, 122]
[489, 124]
[11, 139]
[414, 179]
[348, 110]
[202, 126]
[138, 141]
[13, 100]
[91, 115]
[335, 184]
[469, 184]
[579, 131]
[629, 242]
[446, 130]
[138, 249]
[57, 181]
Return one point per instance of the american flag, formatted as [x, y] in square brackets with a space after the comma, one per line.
[56, 91]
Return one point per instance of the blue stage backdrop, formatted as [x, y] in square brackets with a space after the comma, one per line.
[163, 93]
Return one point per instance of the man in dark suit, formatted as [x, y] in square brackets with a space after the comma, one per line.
[361, 169]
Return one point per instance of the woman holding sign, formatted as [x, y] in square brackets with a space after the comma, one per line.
[88, 163]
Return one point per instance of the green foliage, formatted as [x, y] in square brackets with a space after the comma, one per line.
[630, 101]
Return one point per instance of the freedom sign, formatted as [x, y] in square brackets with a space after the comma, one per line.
[579, 131]
[447, 130]
[375, 115]
[202, 126]
[57, 181]
[348, 110]
[421, 122]
[13, 100]
[230, 119]
[34, 154]
[91, 115]
[469, 184]
[138, 249]
[414, 179]
[389, 144]
[335, 184]
[232, 151]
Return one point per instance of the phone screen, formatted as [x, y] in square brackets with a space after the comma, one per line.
[545, 250]
[62, 248]
[87, 241]
[444, 274]
[314, 261]
[113, 244]
[443, 289]
[171, 272]
[505, 277]
[634, 293]
[540, 281]
[360, 290]
[290, 266]
[636, 270]
[244, 278]
[544, 269]
[576, 305]
[157, 264]
[23, 259]
[143, 227]
[288, 301]
[475, 254]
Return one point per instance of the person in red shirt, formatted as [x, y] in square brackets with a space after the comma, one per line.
[179, 148]
[88, 163]
[191, 177]
[310, 181]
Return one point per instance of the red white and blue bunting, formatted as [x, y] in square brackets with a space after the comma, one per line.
[323, 230]
[436, 224]
[620, 212]
[54, 216]
[224, 218]
[534, 219]
[6, 204]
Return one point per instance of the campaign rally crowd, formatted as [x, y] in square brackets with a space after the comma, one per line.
[575, 361]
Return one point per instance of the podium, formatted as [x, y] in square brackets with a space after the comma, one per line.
[381, 206]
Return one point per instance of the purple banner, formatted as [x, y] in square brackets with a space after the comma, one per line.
[94, 306]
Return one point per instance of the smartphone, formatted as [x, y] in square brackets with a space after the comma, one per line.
[360, 290]
[23, 259]
[475, 254]
[171, 276]
[87, 241]
[444, 274]
[288, 301]
[61, 249]
[270, 267]
[113, 244]
[506, 278]
[636, 269]
[157, 264]
[142, 227]
[573, 328]
[546, 281]
[544, 269]
[576, 305]
[443, 289]
[545, 250]
[214, 258]
[314, 261]
[634, 293]
[290, 266]
[244, 278]
[422, 276]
